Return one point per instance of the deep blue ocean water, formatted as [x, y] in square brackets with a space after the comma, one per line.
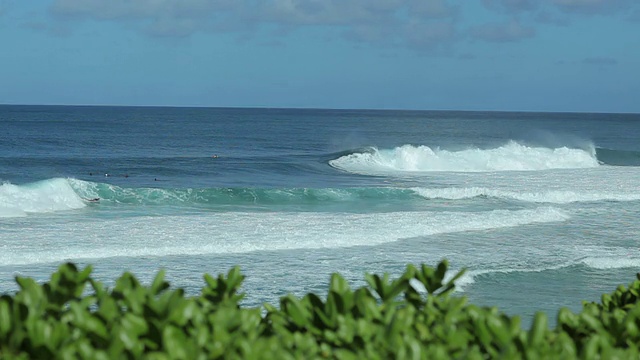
[540, 208]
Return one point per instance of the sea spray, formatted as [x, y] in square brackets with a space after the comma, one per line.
[510, 157]
[38, 197]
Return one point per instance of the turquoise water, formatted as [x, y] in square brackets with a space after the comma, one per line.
[541, 208]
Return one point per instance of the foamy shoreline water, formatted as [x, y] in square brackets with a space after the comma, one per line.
[293, 195]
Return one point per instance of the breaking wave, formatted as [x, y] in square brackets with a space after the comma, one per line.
[61, 194]
[38, 197]
[511, 157]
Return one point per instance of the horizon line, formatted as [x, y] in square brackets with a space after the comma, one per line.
[258, 107]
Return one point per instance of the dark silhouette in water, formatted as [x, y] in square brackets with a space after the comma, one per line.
[93, 200]
[109, 175]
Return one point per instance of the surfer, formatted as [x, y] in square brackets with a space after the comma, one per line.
[93, 199]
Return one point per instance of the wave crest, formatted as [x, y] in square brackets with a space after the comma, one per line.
[510, 157]
[38, 197]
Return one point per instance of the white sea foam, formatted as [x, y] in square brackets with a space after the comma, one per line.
[555, 196]
[470, 276]
[39, 197]
[246, 232]
[510, 157]
[465, 280]
[617, 262]
[608, 258]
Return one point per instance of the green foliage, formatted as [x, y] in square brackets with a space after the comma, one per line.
[389, 318]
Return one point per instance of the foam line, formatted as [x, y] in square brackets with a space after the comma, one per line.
[599, 262]
[616, 262]
[555, 197]
[246, 232]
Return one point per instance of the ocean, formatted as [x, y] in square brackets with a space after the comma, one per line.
[540, 208]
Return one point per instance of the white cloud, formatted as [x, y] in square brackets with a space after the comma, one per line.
[570, 6]
[600, 61]
[511, 5]
[556, 11]
[4, 7]
[547, 17]
[431, 35]
[421, 24]
[594, 6]
[415, 23]
[128, 9]
[502, 32]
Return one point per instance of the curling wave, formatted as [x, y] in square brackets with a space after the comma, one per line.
[38, 197]
[618, 157]
[511, 157]
[109, 193]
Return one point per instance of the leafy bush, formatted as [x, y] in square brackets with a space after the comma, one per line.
[386, 319]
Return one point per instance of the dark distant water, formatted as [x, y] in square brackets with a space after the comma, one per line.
[541, 208]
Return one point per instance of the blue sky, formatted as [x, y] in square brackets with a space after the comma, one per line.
[529, 55]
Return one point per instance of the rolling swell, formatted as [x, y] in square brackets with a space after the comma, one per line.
[618, 157]
[236, 196]
[60, 194]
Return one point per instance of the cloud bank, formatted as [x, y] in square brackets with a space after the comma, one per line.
[504, 32]
[431, 25]
[600, 61]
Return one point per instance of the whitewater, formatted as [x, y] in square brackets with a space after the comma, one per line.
[512, 156]
[540, 208]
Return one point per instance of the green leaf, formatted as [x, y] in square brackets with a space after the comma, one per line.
[499, 330]
[296, 311]
[134, 324]
[184, 312]
[175, 342]
[5, 316]
[339, 284]
[538, 329]
[158, 285]
[234, 279]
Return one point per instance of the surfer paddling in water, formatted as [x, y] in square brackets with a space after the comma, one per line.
[92, 200]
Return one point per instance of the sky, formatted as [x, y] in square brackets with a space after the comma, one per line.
[504, 55]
